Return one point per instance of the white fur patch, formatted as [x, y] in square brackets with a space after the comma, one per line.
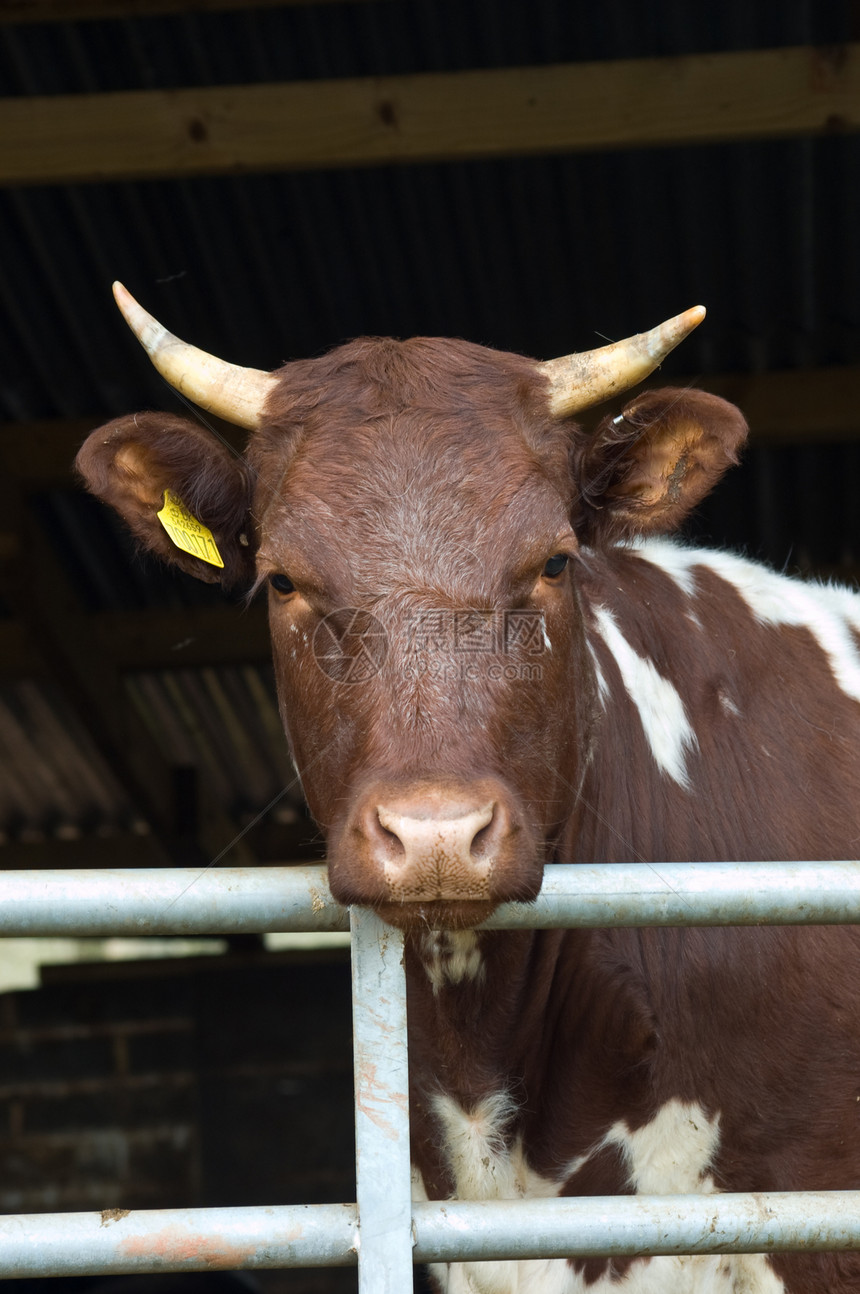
[477, 1152]
[827, 612]
[673, 1153]
[685, 1274]
[661, 710]
[602, 685]
[671, 558]
[452, 957]
[486, 1167]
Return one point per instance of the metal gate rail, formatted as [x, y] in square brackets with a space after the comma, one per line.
[235, 900]
[327, 1235]
[383, 1231]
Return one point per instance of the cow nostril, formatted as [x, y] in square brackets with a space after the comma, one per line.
[386, 833]
[485, 836]
[481, 828]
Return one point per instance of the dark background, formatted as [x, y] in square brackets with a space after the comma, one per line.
[137, 719]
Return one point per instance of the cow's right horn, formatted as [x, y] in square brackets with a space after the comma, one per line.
[578, 381]
[235, 394]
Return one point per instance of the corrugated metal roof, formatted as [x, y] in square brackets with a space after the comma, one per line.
[390, 37]
[539, 255]
[542, 254]
[54, 784]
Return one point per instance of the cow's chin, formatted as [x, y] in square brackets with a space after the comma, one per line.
[436, 914]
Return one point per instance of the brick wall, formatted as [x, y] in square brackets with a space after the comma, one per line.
[158, 1084]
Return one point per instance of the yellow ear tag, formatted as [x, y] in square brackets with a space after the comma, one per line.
[187, 532]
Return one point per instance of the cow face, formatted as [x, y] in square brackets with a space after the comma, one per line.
[422, 523]
[415, 536]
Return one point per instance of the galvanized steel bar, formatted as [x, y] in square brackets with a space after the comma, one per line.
[628, 1225]
[382, 1166]
[226, 900]
[117, 1241]
[169, 901]
[691, 894]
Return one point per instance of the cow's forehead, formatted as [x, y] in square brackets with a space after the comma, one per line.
[423, 458]
[465, 399]
[417, 448]
[377, 374]
[396, 502]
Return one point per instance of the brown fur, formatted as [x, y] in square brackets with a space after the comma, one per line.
[421, 478]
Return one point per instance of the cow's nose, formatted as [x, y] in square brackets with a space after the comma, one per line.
[444, 849]
[446, 852]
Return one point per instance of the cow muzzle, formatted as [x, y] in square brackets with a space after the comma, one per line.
[444, 852]
[447, 854]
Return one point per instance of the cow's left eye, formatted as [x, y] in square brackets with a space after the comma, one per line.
[556, 564]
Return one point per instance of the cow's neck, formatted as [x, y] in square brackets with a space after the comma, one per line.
[519, 1036]
[696, 657]
[495, 988]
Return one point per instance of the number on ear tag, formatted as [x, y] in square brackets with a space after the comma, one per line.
[187, 532]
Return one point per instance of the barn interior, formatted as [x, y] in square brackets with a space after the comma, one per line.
[270, 179]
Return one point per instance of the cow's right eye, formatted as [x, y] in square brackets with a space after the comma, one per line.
[556, 565]
[282, 584]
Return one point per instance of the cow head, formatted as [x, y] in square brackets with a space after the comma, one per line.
[421, 515]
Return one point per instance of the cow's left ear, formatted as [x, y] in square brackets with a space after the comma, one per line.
[184, 495]
[641, 472]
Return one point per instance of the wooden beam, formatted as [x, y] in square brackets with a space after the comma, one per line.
[789, 407]
[270, 842]
[17, 656]
[633, 103]
[155, 639]
[783, 407]
[803, 406]
[87, 851]
[75, 10]
[41, 454]
[190, 638]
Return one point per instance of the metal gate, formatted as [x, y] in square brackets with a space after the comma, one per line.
[383, 1231]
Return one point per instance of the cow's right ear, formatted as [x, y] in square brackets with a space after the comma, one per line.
[138, 463]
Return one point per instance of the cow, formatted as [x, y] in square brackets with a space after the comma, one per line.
[491, 656]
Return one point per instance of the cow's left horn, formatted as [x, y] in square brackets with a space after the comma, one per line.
[235, 394]
[578, 381]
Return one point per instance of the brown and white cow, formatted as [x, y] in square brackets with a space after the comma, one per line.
[489, 659]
